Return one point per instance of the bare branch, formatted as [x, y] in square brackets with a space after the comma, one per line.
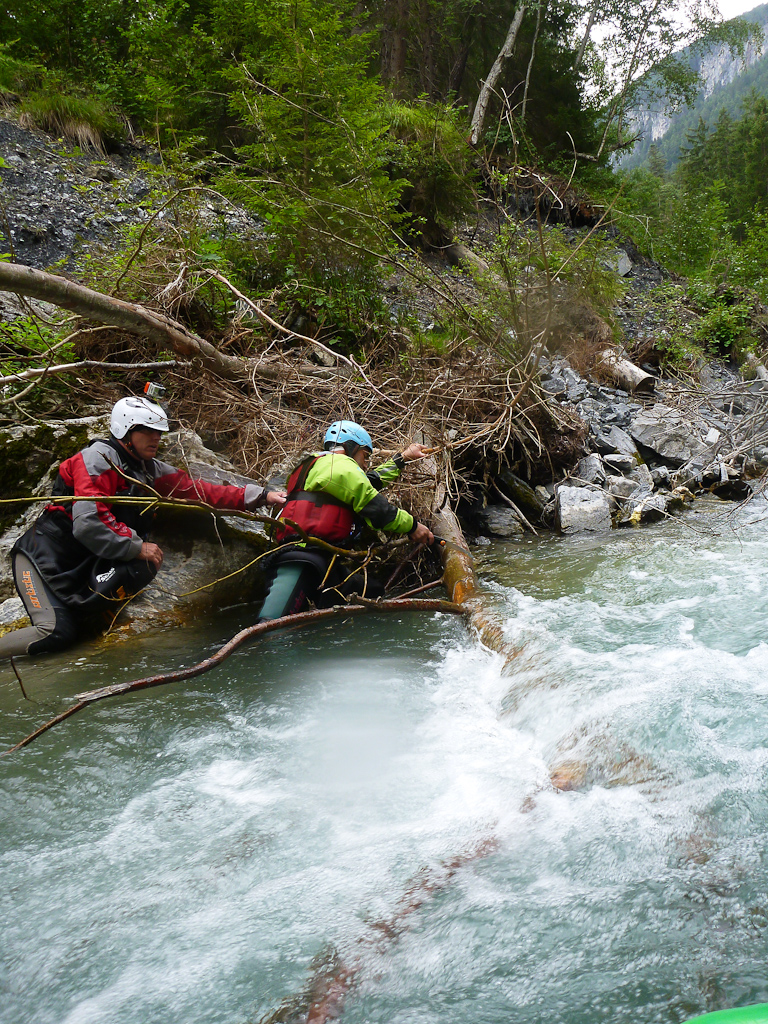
[302, 619]
[40, 371]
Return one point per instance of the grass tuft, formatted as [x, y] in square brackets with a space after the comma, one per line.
[84, 120]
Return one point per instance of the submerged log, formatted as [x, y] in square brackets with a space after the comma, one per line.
[325, 995]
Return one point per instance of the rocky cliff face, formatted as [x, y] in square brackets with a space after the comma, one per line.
[719, 69]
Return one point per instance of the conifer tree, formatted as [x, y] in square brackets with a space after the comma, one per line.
[315, 162]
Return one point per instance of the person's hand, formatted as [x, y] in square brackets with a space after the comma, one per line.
[151, 553]
[422, 534]
[414, 451]
[276, 498]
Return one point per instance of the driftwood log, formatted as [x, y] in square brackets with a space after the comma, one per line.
[757, 366]
[626, 373]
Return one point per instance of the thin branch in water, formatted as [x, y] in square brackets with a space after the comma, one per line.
[260, 628]
[16, 673]
[420, 590]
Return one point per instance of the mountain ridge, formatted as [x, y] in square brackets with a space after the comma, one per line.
[727, 79]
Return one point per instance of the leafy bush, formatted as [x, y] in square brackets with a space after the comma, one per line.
[18, 76]
[727, 326]
[27, 337]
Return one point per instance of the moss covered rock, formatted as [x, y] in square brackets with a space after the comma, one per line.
[32, 454]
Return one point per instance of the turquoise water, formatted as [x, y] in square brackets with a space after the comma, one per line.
[187, 854]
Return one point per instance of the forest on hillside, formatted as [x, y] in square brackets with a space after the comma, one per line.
[728, 78]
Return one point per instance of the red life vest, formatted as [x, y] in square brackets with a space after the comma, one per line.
[318, 514]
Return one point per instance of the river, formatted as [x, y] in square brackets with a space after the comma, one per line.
[379, 792]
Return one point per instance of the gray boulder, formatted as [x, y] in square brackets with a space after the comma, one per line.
[590, 410]
[661, 477]
[617, 413]
[642, 476]
[555, 386]
[589, 470]
[13, 615]
[690, 474]
[577, 392]
[622, 463]
[500, 521]
[670, 434]
[582, 510]
[614, 440]
[622, 486]
[649, 509]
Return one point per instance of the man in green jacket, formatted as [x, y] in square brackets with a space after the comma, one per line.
[330, 494]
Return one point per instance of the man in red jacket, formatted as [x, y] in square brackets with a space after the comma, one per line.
[81, 557]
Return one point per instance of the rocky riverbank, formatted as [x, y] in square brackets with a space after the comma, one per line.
[645, 455]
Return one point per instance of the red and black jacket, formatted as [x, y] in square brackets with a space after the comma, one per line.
[318, 514]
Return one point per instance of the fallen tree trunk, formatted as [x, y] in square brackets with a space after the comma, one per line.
[459, 570]
[145, 323]
[133, 318]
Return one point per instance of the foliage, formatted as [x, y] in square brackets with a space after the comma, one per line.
[315, 168]
[427, 150]
[709, 218]
[85, 120]
[645, 57]
[708, 104]
[18, 76]
[27, 341]
[727, 326]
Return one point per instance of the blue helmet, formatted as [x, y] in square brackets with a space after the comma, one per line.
[343, 431]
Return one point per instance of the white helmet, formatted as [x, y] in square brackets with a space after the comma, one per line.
[136, 412]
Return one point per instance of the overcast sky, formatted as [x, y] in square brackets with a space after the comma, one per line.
[730, 8]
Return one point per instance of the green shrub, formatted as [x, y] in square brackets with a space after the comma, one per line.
[428, 152]
[25, 337]
[727, 326]
[18, 77]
